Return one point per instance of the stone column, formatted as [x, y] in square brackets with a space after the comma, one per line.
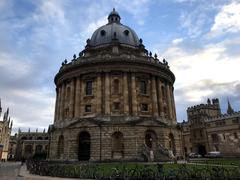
[154, 97]
[125, 94]
[107, 94]
[77, 98]
[72, 98]
[99, 94]
[56, 104]
[173, 105]
[59, 103]
[169, 102]
[62, 101]
[160, 98]
[134, 95]
[58, 91]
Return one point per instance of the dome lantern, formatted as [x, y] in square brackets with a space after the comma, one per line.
[114, 17]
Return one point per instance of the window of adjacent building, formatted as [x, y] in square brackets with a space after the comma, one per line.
[88, 108]
[89, 88]
[143, 87]
[144, 107]
[116, 86]
[116, 106]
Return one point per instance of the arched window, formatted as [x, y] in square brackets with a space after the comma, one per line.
[143, 87]
[88, 88]
[172, 143]
[24, 138]
[60, 149]
[68, 93]
[163, 92]
[38, 149]
[116, 86]
[165, 111]
[117, 145]
[28, 150]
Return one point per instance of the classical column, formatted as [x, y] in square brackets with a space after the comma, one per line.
[72, 96]
[56, 105]
[154, 97]
[134, 95]
[125, 94]
[169, 102]
[160, 98]
[173, 105]
[62, 101]
[99, 94]
[107, 94]
[77, 98]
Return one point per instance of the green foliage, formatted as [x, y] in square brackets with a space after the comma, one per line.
[131, 170]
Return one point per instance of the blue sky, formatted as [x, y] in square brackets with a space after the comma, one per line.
[199, 38]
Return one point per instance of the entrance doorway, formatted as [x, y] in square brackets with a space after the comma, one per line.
[202, 150]
[84, 146]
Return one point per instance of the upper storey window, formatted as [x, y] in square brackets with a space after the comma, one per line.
[143, 87]
[116, 86]
[89, 88]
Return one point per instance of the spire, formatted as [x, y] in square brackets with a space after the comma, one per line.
[6, 115]
[114, 17]
[230, 109]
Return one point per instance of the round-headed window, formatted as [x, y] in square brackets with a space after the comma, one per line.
[103, 32]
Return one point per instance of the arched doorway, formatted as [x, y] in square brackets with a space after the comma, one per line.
[202, 150]
[84, 146]
[150, 139]
[172, 144]
[117, 145]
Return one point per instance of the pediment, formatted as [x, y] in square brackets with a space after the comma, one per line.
[83, 123]
[150, 122]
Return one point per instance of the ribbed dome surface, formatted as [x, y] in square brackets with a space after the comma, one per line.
[114, 31]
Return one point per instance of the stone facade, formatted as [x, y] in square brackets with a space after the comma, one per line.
[29, 144]
[208, 130]
[5, 133]
[115, 101]
[12, 148]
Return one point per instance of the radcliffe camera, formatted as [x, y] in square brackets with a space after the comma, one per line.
[119, 90]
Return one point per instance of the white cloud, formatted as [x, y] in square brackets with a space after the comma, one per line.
[227, 20]
[210, 63]
[177, 41]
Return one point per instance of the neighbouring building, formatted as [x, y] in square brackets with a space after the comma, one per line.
[29, 144]
[12, 147]
[115, 101]
[5, 133]
[207, 129]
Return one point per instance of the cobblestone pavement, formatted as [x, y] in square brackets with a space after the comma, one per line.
[10, 171]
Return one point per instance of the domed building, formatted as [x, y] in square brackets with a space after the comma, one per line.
[115, 101]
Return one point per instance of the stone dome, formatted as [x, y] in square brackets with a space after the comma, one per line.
[114, 31]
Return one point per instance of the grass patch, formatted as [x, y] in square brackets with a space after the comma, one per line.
[219, 161]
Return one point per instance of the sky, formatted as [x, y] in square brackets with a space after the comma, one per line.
[200, 39]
